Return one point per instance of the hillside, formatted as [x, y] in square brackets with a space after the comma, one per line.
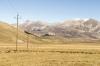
[8, 34]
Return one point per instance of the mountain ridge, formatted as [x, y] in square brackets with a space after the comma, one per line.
[84, 29]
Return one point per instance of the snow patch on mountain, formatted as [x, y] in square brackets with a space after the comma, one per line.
[76, 19]
[86, 19]
[27, 22]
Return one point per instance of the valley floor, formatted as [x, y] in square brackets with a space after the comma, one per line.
[70, 54]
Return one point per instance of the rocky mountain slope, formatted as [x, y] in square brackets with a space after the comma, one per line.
[82, 30]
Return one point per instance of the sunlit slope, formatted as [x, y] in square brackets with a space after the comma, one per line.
[54, 39]
[8, 35]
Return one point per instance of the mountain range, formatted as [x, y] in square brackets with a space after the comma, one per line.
[73, 30]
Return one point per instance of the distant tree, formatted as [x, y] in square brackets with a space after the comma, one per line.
[46, 35]
[27, 32]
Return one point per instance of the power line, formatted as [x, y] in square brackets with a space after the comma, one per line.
[12, 6]
[6, 7]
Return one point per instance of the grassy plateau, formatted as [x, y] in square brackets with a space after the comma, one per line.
[69, 54]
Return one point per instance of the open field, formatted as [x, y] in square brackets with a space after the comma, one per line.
[70, 54]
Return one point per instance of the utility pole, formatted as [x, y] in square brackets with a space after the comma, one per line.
[17, 31]
[39, 39]
[36, 39]
[31, 41]
[27, 37]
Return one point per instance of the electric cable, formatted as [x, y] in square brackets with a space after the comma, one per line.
[12, 6]
[6, 7]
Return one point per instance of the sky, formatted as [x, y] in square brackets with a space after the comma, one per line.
[48, 10]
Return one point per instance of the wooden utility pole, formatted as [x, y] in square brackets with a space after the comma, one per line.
[39, 39]
[34, 40]
[17, 31]
[27, 37]
[31, 40]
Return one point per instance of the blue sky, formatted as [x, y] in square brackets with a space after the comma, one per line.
[49, 10]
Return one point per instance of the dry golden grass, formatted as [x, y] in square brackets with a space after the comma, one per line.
[78, 54]
[48, 59]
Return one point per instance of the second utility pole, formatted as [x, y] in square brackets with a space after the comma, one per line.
[27, 37]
